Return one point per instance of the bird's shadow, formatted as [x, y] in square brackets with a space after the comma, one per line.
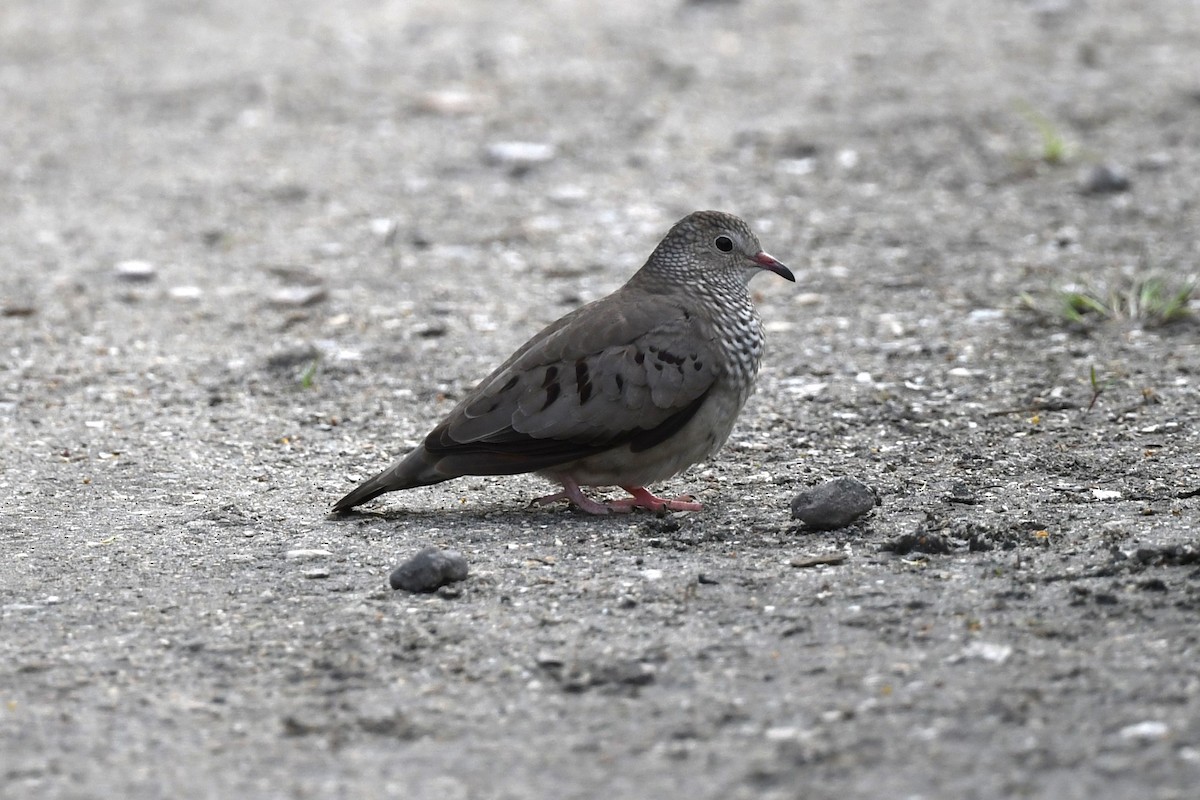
[493, 514]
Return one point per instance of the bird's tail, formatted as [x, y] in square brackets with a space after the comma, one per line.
[417, 468]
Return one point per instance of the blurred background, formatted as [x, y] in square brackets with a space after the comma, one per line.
[212, 138]
[251, 249]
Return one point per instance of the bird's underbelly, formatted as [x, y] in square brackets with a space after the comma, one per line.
[699, 439]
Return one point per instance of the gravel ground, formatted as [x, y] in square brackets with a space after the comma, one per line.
[252, 251]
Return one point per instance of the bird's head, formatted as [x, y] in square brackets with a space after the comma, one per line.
[712, 246]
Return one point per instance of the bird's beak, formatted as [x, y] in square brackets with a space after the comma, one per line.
[768, 261]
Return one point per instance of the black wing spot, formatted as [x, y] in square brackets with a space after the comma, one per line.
[551, 377]
[552, 393]
[639, 357]
[513, 381]
[620, 383]
[583, 383]
[698, 365]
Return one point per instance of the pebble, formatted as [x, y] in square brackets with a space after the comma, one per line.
[979, 316]
[306, 554]
[961, 493]
[385, 228]
[919, 542]
[298, 296]
[834, 504]
[316, 573]
[569, 194]
[1174, 555]
[395, 724]
[135, 271]
[994, 652]
[330, 250]
[185, 292]
[448, 102]
[428, 570]
[625, 675]
[520, 155]
[1145, 731]
[1104, 179]
[825, 559]
[289, 357]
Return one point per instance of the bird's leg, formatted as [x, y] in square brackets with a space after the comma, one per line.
[642, 498]
[573, 494]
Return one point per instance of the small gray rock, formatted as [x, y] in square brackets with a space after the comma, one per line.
[520, 152]
[449, 102]
[920, 542]
[306, 554]
[297, 296]
[519, 157]
[291, 356]
[135, 271]
[1104, 179]
[429, 570]
[834, 504]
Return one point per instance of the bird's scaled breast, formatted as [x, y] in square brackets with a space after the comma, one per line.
[741, 336]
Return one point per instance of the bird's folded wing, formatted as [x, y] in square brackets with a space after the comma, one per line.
[626, 377]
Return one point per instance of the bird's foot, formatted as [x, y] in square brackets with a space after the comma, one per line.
[574, 495]
[580, 500]
[642, 498]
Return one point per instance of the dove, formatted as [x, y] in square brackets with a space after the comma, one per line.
[626, 391]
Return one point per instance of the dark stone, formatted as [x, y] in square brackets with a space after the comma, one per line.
[834, 504]
[961, 493]
[298, 726]
[290, 357]
[620, 677]
[429, 570]
[980, 543]
[1104, 179]
[825, 559]
[1169, 555]
[395, 725]
[920, 542]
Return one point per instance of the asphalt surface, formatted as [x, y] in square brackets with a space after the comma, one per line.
[253, 251]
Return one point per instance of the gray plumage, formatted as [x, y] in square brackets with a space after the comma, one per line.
[626, 391]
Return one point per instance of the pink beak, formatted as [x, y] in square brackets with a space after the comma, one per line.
[768, 261]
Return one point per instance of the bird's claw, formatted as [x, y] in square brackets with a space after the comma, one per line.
[642, 498]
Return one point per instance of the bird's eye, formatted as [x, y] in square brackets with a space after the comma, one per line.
[724, 244]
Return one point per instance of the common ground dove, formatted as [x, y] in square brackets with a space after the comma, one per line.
[626, 391]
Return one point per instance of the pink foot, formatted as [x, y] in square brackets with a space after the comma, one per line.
[642, 498]
[572, 494]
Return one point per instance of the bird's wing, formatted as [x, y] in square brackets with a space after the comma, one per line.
[624, 370]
